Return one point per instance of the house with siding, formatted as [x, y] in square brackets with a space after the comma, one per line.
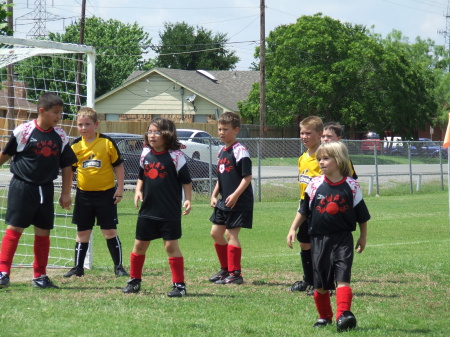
[189, 96]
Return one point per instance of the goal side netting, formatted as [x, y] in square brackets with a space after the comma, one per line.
[29, 68]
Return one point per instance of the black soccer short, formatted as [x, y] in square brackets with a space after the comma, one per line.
[30, 204]
[332, 259]
[302, 234]
[232, 219]
[91, 205]
[150, 229]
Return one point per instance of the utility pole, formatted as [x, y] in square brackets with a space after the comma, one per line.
[10, 75]
[446, 32]
[262, 71]
[80, 56]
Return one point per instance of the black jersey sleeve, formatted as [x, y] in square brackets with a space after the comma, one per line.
[184, 175]
[10, 148]
[68, 157]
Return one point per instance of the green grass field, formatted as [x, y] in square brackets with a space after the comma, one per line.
[401, 281]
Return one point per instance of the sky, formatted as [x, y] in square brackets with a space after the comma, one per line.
[240, 19]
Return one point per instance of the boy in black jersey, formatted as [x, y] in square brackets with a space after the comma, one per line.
[163, 174]
[99, 165]
[332, 132]
[39, 149]
[335, 204]
[234, 210]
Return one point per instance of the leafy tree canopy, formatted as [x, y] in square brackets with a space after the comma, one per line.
[4, 14]
[187, 47]
[119, 49]
[342, 72]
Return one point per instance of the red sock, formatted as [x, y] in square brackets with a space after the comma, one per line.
[9, 246]
[222, 251]
[234, 258]
[41, 250]
[136, 265]
[323, 305]
[344, 297]
[177, 268]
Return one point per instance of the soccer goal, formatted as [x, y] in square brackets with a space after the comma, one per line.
[29, 68]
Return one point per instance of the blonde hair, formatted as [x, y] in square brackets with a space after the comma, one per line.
[339, 152]
[89, 113]
[313, 122]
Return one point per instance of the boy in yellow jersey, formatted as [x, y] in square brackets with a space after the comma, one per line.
[97, 196]
[311, 129]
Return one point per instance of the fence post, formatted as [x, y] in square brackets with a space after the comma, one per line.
[259, 168]
[410, 169]
[376, 167]
[419, 182]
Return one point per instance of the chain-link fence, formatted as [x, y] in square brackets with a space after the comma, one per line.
[383, 168]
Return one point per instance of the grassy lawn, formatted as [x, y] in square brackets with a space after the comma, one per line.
[400, 282]
[357, 159]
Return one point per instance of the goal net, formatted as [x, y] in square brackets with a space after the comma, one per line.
[29, 68]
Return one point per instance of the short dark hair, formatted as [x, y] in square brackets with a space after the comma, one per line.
[230, 118]
[48, 100]
[168, 132]
[334, 126]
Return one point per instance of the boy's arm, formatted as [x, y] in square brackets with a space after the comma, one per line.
[215, 194]
[361, 243]
[65, 200]
[4, 158]
[298, 220]
[233, 197]
[120, 176]
[138, 193]
[187, 198]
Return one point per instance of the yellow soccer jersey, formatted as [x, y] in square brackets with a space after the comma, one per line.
[308, 167]
[95, 163]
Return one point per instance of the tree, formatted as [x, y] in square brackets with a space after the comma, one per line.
[186, 47]
[4, 14]
[341, 72]
[119, 49]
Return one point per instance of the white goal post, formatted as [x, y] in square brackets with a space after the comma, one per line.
[29, 68]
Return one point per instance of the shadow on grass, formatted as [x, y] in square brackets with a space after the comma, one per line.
[392, 332]
[376, 295]
[379, 281]
[270, 284]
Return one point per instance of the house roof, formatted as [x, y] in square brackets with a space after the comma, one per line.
[228, 88]
[20, 104]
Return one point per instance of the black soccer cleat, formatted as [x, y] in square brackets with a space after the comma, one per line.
[133, 286]
[321, 323]
[220, 275]
[233, 278]
[43, 282]
[346, 321]
[120, 271]
[302, 286]
[4, 280]
[178, 290]
[77, 271]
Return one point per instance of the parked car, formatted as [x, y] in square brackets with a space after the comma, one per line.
[130, 146]
[199, 144]
[371, 141]
[427, 147]
[394, 146]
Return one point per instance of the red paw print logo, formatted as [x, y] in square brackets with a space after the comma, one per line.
[332, 205]
[224, 165]
[154, 170]
[46, 148]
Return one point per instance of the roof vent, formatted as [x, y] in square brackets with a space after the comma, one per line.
[207, 74]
